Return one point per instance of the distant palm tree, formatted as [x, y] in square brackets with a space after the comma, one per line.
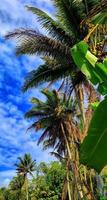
[53, 117]
[24, 167]
[57, 119]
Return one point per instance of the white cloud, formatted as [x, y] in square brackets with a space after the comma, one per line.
[14, 141]
[4, 181]
[15, 14]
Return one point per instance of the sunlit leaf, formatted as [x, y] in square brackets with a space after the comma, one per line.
[94, 148]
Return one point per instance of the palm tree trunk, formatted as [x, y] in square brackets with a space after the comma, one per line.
[70, 157]
[68, 186]
[82, 188]
[66, 191]
[73, 167]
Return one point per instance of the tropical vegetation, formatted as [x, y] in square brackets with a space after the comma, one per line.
[73, 52]
[46, 183]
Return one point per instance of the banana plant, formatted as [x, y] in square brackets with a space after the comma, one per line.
[93, 151]
[95, 71]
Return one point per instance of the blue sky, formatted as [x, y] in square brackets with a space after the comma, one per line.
[14, 141]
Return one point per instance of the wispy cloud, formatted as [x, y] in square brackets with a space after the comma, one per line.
[14, 141]
[13, 13]
[4, 181]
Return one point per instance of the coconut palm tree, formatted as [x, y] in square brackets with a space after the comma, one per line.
[52, 116]
[56, 117]
[24, 167]
[70, 24]
[63, 31]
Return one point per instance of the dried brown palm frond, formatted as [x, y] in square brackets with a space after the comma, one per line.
[32, 42]
[57, 155]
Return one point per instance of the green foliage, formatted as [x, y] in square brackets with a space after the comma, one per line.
[84, 60]
[49, 71]
[5, 194]
[95, 71]
[49, 182]
[100, 18]
[55, 48]
[94, 147]
[48, 116]
[9, 194]
[47, 185]
[95, 105]
[64, 30]
[25, 165]
[54, 28]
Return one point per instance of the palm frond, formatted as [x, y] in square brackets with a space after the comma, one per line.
[57, 155]
[49, 116]
[36, 101]
[41, 123]
[70, 12]
[60, 147]
[54, 28]
[47, 72]
[89, 4]
[50, 100]
[33, 114]
[32, 42]
[49, 143]
[44, 135]
[43, 74]
[25, 165]
[35, 125]
[96, 6]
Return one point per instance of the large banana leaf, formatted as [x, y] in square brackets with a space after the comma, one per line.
[85, 61]
[96, 72]
[93, 151]
[94, 148]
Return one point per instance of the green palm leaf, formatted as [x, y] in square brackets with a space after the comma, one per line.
[70, 14]
[48, 117]
[45, 73]
[54, 28]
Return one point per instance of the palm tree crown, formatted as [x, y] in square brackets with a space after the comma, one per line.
[62, 33]
[25, 165]
[49, 116]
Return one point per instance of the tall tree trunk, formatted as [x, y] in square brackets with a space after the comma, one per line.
[66, 191]
[68, 186]
[80, 186]
[73, 167]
